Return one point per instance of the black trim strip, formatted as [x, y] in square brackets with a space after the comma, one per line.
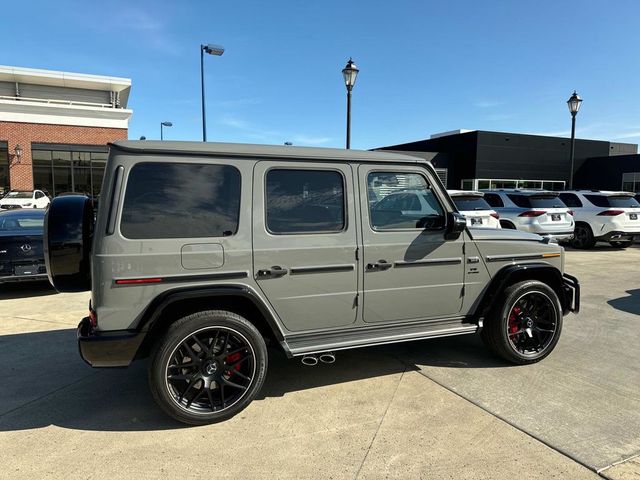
[322, 269]
[115, 200]
[70, 147]
[184, 278]
[427, 263]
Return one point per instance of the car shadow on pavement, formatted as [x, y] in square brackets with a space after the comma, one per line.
[46, 383]
[629, 304]
[26, 290]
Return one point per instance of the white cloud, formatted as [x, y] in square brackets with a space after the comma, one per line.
[310, 140]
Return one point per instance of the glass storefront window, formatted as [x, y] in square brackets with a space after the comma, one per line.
[4, 169]
[60, 171]
[487, 183]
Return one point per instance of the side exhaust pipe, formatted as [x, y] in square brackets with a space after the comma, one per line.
[327, 357]
[310, 360]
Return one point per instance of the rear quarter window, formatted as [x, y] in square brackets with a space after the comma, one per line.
[494, 200]
[179, 200]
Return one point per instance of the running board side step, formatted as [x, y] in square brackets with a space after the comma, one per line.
[308, 343]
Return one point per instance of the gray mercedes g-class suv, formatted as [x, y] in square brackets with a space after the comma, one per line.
[203, 253]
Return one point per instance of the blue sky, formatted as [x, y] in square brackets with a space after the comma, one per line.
[425, 66]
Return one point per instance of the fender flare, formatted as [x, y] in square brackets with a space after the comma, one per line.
[146, 320]
[509, 274]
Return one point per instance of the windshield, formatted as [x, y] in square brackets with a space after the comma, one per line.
[471, 202]
[27, 223]
[19, 195]
[537, 201]
[621, 201]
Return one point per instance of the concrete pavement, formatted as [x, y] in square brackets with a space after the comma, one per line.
[436, 409]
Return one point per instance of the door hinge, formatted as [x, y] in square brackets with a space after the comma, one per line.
[355, 300]
[357, 255]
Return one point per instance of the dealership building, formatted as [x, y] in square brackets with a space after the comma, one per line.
[55, 127]
[476, 159]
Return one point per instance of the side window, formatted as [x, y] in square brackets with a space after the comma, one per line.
[395, 202]
[494, 200]
[181, 200]
[305, 201]
[39, 194]
[571, 200]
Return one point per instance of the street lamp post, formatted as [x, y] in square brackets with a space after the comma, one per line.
[162, 125]
[211, 50]
[573, 103]
[349, 73]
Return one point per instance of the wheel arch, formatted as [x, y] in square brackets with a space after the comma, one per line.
[178, 303]
[512, 274]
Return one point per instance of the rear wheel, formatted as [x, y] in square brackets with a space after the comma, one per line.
[621, 244]
[583, 237]
[525, 326]
[208, 367]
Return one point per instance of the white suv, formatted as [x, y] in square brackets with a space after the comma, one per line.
[475, 208]
[603, 216]
[535, 211]
[24, 199]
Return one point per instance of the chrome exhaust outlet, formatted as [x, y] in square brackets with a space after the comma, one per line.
[616, 237]
[327, 357]
[310, 360]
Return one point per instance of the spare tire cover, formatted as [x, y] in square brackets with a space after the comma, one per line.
[68, 231]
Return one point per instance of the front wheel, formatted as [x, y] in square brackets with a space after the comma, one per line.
[525, 327]
[208, 367]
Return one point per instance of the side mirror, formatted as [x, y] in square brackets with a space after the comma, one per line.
[456, 223]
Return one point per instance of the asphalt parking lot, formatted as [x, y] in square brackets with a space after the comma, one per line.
[433, 409]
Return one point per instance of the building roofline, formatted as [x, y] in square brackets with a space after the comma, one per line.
[63, 79]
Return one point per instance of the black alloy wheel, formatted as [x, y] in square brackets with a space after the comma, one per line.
[525, 324]
[209, 366]
[582, 237]
[531, 324]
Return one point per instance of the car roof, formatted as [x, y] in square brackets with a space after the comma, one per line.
[530, 192]
[465, 193]
[605, 193]
[254, 151]
[23, 212]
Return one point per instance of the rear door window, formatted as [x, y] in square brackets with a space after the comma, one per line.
[181, 200]
[471, 202]
[494, 200]
[305, 201]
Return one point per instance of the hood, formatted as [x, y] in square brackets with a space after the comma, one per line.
[502, 234]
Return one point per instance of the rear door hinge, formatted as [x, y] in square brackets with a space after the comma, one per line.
[357, 254]
[356, 300]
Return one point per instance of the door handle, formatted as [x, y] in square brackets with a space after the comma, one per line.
[380, 266]
[273, 272]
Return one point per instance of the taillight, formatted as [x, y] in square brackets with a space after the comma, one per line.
[570, 212]
[495, 215]
[610, 213]
[532, 213]
[93, 318]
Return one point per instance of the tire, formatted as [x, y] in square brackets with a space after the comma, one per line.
[583, 237]
[621, 244]
[212, 387]
[68, 230]
[508, 331]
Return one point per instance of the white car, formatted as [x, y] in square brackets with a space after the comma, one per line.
[24, 199]
[603, 216]
[535, 211]
[475, 208]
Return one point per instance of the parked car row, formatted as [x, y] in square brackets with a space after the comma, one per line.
[579, 217]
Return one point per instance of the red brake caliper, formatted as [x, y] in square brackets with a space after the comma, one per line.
[513, 317]
[234, 357]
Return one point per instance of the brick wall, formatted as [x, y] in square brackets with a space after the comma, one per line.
[23, 134]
